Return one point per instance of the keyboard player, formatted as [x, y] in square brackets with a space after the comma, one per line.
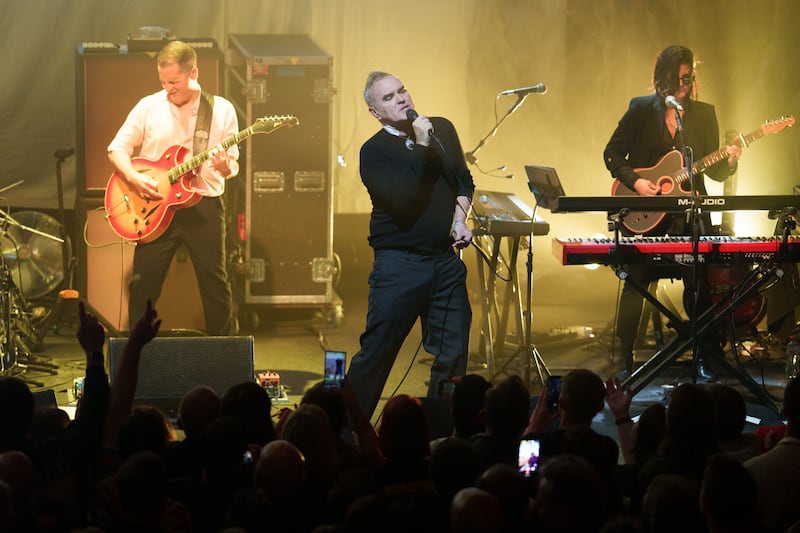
[645, 133]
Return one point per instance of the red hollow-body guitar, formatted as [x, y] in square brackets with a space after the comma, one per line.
[673, 179]
[143, 220]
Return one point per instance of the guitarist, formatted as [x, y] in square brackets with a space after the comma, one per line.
[645, 133]
[181, 114]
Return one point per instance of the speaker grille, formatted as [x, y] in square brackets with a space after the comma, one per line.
[171, 366]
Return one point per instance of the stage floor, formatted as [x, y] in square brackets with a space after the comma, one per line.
[291, 342]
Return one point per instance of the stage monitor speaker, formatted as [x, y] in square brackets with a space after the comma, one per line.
[171, 366]
[104, 269]
[110, 80]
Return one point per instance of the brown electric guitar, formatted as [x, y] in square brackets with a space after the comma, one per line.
[673, 179]
[143, 220]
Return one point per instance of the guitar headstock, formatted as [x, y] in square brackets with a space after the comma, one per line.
[273, 122]
[774, 126]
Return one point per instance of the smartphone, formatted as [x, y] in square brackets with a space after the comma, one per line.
[528, 457]
[446, 386]
[553, 392]
[335, 367]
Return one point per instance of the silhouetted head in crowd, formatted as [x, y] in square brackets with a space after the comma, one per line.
[649, 430]
[403, 432]
[48, 422]
[570, 495]
[142, 486]
[691, 435]
[309, 429]
[473, 509]
[146, 429]
[16, 414]
[511, 489]
[730, 411]
[198, 408]
[222, 446]
[280, 469]
[507, 408]
[454, 465]
[728, 494]
[466, 403]
[331, 401]
[582, 397]
[250, 402]
[670, 504]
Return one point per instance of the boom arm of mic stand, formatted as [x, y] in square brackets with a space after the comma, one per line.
[470, 156]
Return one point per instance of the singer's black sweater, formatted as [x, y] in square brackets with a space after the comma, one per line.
[414, 191]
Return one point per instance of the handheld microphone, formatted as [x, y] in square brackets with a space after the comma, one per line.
[673, 103]
[522, 91]
[412, 115]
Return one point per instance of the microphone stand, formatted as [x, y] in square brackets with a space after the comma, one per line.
[694, 218]
[470, 156]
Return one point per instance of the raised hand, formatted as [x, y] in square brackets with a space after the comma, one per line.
[146, 327]
[91, 335]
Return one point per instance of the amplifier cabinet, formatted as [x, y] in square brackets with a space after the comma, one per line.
[287, 220]
[109, 82]
[104, 264]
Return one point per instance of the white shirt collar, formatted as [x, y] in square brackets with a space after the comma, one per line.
[394, 131]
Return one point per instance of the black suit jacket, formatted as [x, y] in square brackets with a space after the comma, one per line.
[642, 138]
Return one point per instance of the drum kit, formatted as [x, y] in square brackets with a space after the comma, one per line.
[33, 247]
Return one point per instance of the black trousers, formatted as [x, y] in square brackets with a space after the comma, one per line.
[405, 286]
[201, 228]
[631, 301]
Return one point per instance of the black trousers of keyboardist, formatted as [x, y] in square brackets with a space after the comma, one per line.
[631, 304]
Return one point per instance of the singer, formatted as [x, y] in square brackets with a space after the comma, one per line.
[421, 193]
[647, 131]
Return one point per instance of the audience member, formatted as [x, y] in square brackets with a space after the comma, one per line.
[476, 510]
[146, 429]
[197, 409]
[453, 466]
[251, 403]
[776, 471]
[308, 428]
[728, 496]
[671, 504]
[505, 416]
[280, 474]
[341, 405]
[143, 502]
[570, 497]
[467, 404]
[18, 478]
[690, 439]
[512, 490]
[60, 464]
[581, 398]
[731, 413]
[48, 422]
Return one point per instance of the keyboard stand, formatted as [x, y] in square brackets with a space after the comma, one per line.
[718, 312]
[496, 313]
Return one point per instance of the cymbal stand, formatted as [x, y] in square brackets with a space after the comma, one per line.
[12, 344]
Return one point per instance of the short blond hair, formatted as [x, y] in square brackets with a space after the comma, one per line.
[180, 53]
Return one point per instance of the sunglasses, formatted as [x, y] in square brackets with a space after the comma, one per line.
[687, 79]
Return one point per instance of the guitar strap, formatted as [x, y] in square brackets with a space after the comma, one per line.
[203, 124]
